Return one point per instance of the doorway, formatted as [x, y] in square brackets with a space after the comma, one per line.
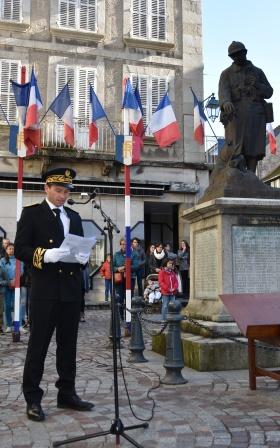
[161, 223]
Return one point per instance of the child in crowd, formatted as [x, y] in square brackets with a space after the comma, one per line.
[152, 292]
[106, 273]
[168, 284]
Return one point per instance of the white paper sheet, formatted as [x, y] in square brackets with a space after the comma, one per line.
[77, 245]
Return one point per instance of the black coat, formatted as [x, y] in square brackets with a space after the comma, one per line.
[38, 231]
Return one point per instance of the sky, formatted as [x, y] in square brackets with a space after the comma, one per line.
[253, 22]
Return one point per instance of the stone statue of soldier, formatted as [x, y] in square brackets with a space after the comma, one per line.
[244, 111]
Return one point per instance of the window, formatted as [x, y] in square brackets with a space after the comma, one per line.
[149, 19]
[79, 88]
[152, 90]
[8, 70]
[11, 10]
[78, 14]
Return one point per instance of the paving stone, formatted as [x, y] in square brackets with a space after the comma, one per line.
[214, 409]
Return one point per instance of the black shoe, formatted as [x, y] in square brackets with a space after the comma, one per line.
[35, 412]
[73, 402]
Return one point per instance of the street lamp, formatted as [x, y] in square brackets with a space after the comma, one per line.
[212, 107]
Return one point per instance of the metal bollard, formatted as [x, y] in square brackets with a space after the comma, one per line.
[137, 345]
[173, 362]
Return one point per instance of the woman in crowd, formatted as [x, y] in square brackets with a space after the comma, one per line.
[119, 274]
[168, 284]
[157, 258]
[149, 252]
[183, 260]
[8, 266]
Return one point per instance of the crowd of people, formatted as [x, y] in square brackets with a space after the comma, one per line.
[168, 270]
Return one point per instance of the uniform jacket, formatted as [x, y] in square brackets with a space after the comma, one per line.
[246, 131]
[38, 231]
[168, 282]
[105, 270]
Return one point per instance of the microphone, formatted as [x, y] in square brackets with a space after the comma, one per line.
[90, 198]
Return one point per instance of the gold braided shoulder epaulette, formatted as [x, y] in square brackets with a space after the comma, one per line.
[38, 257]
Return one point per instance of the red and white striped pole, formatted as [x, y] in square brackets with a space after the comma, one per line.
[127, 232]
[17, 323]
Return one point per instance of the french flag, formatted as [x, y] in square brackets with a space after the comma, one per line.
[199, 119]
[132, 102]
[61, 106]
[164, 125]
[96, 112]
[34, 105]
[271, 138]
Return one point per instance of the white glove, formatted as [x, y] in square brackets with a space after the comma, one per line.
[82, 258]
[55, 254]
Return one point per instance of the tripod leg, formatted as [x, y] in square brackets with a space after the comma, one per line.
[143, 425]
[132, 441]
[77, 439]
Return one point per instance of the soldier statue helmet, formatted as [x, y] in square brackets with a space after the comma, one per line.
[236, 47]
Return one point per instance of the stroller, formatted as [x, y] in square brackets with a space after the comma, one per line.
[152, 294]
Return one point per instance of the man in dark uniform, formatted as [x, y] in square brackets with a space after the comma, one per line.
[244, 113]
[55, 297]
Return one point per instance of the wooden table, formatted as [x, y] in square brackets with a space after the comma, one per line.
[258, 318]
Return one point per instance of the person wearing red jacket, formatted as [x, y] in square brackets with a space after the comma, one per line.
[168, 284]
[106, 273]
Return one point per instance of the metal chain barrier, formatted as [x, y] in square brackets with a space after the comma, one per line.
[143, 321]
[231, 338]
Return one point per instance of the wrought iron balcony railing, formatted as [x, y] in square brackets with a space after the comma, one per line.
[52, 135]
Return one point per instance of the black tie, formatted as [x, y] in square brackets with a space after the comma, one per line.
[57, 212]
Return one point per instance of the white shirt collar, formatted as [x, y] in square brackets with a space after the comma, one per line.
[52, 206]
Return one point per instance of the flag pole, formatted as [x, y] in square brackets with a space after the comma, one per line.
[16, 331]
[127, 233]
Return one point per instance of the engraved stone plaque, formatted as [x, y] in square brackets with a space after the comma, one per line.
[256, 266]
[205, 264]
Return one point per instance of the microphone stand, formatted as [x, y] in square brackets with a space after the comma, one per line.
[117, 428]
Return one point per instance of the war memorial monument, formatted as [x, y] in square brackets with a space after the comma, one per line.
[235, 228]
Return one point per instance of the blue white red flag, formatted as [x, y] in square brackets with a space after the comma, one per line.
[132, 102]
[34, 105]
[199, 119]
[32, 132]
[164, 125]
[21, 93]
[96, 113]
[128, 149]
[61, 106]
[271, 138]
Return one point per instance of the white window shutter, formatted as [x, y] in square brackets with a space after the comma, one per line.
[143, 91]
[8, 70]
[11, 10]
[140, 18]
[158, 18]
[159, 88]
[85, 75]
[63, 75]
[88, 15]
[68, 13]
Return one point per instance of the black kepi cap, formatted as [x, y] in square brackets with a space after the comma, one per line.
[60, 176]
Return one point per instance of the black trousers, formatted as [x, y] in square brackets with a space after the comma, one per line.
[45, 317]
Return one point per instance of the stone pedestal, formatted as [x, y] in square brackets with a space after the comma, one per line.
[235, 247]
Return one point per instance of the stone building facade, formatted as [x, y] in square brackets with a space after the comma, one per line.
[157, 43]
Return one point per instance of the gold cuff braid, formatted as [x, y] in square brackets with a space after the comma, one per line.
[38, 257]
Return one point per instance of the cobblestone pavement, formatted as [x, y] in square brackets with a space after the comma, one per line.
[214, 409]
